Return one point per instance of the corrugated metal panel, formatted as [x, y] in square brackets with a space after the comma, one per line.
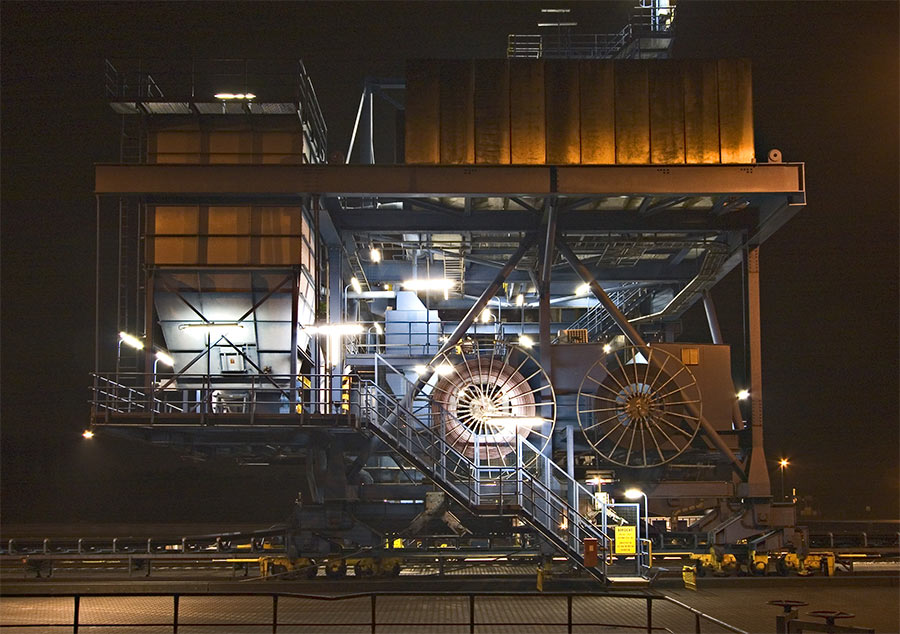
[598, 115]
[423, 99]
[735, 111]
[701, 112]
[492, 112]
[527, 115]
[632, 112]
[666, 113]
[457, 112]
[563, 112]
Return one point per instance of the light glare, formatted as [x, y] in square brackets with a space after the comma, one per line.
[743, 395]
[375, 255]
[165, 359]
[132, 341]
[87, 433]
[583, 289]
[357, 287]
[525, 341]
[633, 494]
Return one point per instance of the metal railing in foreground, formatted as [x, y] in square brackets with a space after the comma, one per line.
[368, 616]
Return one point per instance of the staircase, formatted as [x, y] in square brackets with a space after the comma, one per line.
[598, 321]
[536, 490]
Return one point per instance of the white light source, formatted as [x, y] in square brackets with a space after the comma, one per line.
[437, 284]
[420, 369]
[444, 369]
[583, 289]
[132, 341]
[515, 421]
[227, 96]
[607, 348]
[87, 433]
[357, 287]
[165, 359]
[525, 341]
[633, 494]
[335, 329]
[378, 328]
[520, 300]
[375, 255]
[743, 395]
[486, 316]
[783, 463]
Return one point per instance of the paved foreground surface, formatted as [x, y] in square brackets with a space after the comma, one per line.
[744, 607]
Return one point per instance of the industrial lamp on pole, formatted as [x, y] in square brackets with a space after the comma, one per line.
[784, 462]
[637, 494]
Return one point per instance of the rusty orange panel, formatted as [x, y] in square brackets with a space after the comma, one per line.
[598, 111]
[701, 112]
[632, 112]
[423, 108]
[735, 111]
[666, 113]
[457, 112]
[492, 112]
[563, 111]
[526, 108]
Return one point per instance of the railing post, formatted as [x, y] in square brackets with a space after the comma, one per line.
[697, 623]
[649, 615]
[77, 608]
[174, 612]
[374, 622]
[569, 613]
[274, 613]
[471, 614]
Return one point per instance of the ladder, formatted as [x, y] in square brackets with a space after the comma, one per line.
[535, 489]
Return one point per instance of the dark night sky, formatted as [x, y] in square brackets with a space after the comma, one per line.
[825, 92]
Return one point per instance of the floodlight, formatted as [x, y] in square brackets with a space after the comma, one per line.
[743, 395]
[436, 284]
[633, 494]
[131, 340]
[525, 341]
[375, 254]
[520, 300]
[583, 289]
[486, 316]
[165, 359]
[444, 369]
[87, 433]
[357, 287]
[607, 348]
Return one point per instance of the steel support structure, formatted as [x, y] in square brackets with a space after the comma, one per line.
[635, 337]
[758, 484]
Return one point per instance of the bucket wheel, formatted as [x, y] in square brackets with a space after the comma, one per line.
[487, 395]
[638, 411]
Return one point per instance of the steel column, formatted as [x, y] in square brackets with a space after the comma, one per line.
[758, 484]
[711, 318]
[295, 317]
[544, 290]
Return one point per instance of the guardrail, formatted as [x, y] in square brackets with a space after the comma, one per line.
[367, 612]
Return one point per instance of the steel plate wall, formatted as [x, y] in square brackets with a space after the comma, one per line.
[202, 147]
[495, 112]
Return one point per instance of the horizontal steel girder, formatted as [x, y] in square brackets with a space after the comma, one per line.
[452, 180]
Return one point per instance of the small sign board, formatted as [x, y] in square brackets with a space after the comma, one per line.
[689, 576]
[626, 540]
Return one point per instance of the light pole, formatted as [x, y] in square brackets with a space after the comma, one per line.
[781, 465]
[636, 494]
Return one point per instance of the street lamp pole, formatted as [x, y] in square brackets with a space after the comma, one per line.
[781, 465]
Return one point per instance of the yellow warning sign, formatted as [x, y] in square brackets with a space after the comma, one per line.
[689, 576]
[626, 540]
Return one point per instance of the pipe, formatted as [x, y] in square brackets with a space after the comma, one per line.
[711, 318]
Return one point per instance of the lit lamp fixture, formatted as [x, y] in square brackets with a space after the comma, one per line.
[378, 328]
[131, 340]
[228, 96]
[515, 421]
[520, 300]
[445, 369]
[165, 359]
[420, 369]
[87, 433]
[743, 395]
[782, 464]
[375, 255]
[525, 341]
[583, 289]
[334, 332]
[357, 287]
[486, 316]
[636, 494]
[607, 348]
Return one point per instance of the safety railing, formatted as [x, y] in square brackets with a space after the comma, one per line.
[367, 611]
[597, 320]
[249, 396]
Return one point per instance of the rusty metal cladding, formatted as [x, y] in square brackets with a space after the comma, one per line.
[632, 112]
[563, 113]
[701, 112]
[527, 115]
[457, 112]
[666, 113]
[598, 111]
[492, 112]
[735, 110]
[423, 107]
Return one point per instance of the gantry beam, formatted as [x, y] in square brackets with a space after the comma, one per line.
[452, 180]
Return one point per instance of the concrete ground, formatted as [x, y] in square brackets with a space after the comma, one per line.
[741, 605]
